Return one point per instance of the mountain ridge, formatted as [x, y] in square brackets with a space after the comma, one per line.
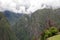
[11, 16]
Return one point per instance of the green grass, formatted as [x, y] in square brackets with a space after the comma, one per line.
[57, 37]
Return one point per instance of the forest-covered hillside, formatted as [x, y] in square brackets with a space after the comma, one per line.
[6, 32]
[29, 27]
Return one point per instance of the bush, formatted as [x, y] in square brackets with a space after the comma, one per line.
[50, 32]
[53, 30]
[47, 33]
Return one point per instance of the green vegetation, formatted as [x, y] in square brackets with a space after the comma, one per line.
[56, 37]
[49, 33]
[5, 30]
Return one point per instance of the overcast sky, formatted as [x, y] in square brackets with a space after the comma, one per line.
[26, 6]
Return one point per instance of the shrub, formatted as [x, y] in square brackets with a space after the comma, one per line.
[49, 32]
[53, 30]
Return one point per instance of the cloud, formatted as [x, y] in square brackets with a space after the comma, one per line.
[26, 6]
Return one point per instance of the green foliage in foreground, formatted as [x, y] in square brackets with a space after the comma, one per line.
[50, 32]
[5, 31]
[57, 37]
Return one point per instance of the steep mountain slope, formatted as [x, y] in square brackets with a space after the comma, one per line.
[45, 15]
[36, 23]
[5, 31]
[43, 19]
[12, 17]
[20, 28]
[39, 22]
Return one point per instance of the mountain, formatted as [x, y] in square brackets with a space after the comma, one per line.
[32, 26]
[20, 28]
[11, 16]
[5, 31]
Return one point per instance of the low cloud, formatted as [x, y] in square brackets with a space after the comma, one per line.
[26, 6]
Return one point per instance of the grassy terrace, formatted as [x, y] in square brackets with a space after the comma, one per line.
[57, 37]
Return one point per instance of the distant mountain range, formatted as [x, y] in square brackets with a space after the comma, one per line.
[11, 16]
